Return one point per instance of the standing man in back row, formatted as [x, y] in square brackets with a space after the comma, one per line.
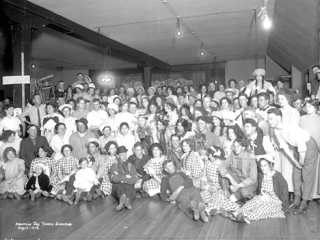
[35, 112]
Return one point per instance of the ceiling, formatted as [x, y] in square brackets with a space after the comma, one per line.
[52, 48]
[230, 35]
[294, 40]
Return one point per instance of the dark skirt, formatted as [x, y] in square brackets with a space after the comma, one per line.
[118, 189]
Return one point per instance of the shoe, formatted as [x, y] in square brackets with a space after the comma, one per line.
[302, 208]
[51, 195]
[122, 201]
[38, 195]
[137, 195]
[11, 196]
[296, 202]
[203, 214]
[45, 193]
[17, 196]
[59, 197]
[26, 195]
[194, 206]
[95, 196]
[103, 195]
[5, 195]
[32, 195]
[89, 197]
[127, 203]
[318, 201]
[99, 193]
[66, 199]
[77, 198]
[213, 212]
[223, 212]
[240, 217]
[145, 195]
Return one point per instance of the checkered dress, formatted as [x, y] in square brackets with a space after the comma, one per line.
[214, 197]
[48, 162]
[66, 165]
[106, 185]
[192, 162]
[260, 208]
[152, 187]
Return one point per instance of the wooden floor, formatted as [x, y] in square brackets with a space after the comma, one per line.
[148, 219]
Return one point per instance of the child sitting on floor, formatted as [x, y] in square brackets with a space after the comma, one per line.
[85, 178]
[183, 192]
[39, 183]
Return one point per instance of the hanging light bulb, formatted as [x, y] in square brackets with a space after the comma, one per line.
[179, 33]
[266, 22]
[201, 50]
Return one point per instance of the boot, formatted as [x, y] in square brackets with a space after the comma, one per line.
[127, 203]
[194, 206]
[203, 214]
[122, 201]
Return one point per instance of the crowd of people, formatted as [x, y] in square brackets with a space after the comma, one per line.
[247, 152]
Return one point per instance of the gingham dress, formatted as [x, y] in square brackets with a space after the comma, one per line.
[259, 208]
[214, 197]
[106, 185]
[152, 187]
[52, 168]
[66, 165]
[192, 162]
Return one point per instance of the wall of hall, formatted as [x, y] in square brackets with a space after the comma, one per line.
[242, 69]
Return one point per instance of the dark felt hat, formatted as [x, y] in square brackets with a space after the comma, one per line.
[83, 120]
[122, 149]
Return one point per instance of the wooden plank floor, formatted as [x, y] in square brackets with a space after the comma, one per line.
[148, 219]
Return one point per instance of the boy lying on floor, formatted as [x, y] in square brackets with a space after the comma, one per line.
[183, 192]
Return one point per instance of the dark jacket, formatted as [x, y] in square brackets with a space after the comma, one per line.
[27, 149]
[43, 181]
[119, 171]
[166, 185]
[139, 164]
[280, 187]
[174, 158]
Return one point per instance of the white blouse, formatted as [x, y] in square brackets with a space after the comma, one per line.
[57, 143]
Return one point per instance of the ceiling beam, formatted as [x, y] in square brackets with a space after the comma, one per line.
[34, 16]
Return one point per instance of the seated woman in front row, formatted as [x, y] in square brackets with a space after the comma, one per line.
[272, 200]
[240, 173]
[12, 177]
[183, 192]
[212, 193]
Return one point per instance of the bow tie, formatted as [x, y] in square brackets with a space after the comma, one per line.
[92, 159]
